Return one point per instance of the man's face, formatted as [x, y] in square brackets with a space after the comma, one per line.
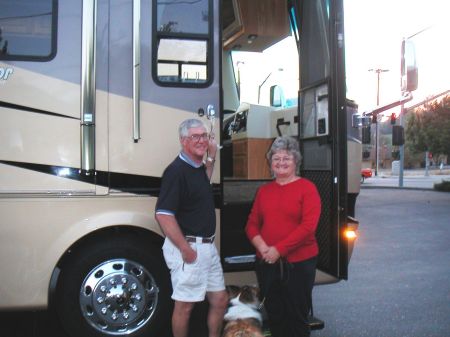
[195, 144]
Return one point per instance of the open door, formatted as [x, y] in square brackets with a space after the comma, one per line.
[322, 128]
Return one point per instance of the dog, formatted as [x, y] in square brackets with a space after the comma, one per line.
[243, 318]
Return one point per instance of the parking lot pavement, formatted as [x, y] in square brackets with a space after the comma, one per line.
[399, 275]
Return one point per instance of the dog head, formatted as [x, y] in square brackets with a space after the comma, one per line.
[248, 295]
[244, 304]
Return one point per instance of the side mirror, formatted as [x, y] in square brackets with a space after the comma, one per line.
[409, 69]
[276, 96]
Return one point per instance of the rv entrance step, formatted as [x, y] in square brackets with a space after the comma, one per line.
[315, 323]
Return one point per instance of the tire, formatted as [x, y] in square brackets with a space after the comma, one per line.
[116, 287]
[362, 179]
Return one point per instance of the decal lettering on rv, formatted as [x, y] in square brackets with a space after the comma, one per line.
[5, 73]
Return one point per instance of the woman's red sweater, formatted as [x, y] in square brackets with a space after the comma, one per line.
[286, 216]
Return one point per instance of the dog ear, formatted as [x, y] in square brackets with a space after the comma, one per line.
[247, 295]
[233, 291]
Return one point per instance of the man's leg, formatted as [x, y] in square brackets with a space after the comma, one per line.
[218, 303]
[180, 318]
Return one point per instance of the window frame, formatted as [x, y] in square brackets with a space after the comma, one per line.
[207, 38]
[53, 36]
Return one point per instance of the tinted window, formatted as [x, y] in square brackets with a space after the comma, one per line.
[183, 16]
[27, 29]
[182, 39]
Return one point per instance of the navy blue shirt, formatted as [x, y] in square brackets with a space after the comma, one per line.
[186, 193]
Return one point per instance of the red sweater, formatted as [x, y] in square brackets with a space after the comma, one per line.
[286, 217]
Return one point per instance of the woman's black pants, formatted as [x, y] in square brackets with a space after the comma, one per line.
[287, 288]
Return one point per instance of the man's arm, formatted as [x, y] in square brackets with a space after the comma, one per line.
[172, 230]
[211, 156]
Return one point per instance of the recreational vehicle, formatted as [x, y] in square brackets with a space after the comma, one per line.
[91, 96]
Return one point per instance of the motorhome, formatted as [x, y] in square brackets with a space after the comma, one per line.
[91, 96]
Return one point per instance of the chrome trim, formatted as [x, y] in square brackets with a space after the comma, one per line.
[45, 193]
[88, 76]
[136, 70]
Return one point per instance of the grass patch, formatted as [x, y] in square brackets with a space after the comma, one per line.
[443, 186]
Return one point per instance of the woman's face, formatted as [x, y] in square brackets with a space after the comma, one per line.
[283, 164]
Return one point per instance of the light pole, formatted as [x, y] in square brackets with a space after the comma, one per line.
[378, 71]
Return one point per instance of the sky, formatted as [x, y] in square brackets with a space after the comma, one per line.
[373, 35]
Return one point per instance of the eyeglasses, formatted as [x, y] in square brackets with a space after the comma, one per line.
[196, 137]
[282, 159]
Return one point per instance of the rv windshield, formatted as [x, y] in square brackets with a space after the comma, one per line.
[256, 73]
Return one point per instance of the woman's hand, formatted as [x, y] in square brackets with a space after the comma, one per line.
[272, 255]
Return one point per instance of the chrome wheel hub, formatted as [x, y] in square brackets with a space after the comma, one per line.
[118, 297]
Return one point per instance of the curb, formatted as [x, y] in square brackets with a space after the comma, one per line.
[400, 188]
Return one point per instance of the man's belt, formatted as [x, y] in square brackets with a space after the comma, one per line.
[199, 239]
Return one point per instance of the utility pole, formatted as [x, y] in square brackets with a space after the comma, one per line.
[378, 71]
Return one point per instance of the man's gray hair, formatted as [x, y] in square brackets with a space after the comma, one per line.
[290, 145]
[183, 130]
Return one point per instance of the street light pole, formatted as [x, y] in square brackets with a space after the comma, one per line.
[378, 71]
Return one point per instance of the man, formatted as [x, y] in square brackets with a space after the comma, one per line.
[185, 212]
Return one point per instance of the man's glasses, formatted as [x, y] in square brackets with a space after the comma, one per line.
[196, 137]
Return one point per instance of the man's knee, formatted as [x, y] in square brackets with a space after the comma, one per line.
[218, 300]
[183, 308]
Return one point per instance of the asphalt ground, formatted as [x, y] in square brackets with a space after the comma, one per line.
[399, 275]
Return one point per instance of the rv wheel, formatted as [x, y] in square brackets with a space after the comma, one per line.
[118, 287]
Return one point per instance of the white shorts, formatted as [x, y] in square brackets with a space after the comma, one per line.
[191, 281]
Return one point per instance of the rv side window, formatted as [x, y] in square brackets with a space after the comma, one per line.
[28, 30]
[182, 42]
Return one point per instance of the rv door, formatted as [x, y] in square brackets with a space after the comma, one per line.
[163, 69]
[319, 31]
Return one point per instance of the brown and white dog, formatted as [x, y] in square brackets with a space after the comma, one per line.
[243, 318]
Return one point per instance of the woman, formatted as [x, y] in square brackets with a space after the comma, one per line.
[282, 226]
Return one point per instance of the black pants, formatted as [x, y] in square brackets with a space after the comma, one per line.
[287, 288]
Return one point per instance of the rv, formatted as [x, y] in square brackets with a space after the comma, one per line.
[91, 96]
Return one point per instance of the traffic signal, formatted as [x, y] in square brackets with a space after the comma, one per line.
[393, 118]
[398, 135]
[365, 134]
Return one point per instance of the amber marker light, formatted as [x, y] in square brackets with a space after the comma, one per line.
[350, 234]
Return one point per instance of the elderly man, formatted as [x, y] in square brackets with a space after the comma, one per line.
[185, 212]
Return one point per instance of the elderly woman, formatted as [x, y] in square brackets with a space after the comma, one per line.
[282, 226]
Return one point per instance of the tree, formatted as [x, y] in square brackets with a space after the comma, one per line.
[428, 128]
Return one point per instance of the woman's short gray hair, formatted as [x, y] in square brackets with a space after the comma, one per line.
[184, 127]
[288, 144]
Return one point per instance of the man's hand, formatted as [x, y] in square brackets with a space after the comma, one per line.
[189, 255]
[212, 146]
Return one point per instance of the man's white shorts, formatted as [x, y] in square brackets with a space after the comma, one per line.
[191, 281]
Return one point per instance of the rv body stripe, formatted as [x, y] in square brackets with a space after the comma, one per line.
[117, 181]
[124, 182]
[26, 108]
